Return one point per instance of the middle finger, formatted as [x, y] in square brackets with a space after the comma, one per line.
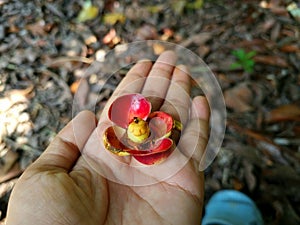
[158, 80]
[177, 100]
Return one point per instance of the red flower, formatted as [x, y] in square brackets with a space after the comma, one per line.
[137, 131]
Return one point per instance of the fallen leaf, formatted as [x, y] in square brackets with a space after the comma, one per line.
[74, 86]
[197, 4]
[288, 112]
[249, 176]
[294, 10]
[258, 45]
[113, 18]
[167, 33]
[178, 6]
[239, 98]
[146, 32]
[9, 159]
[290, 48]
[203, 50]
[109, 36]
[267, 25]
[263, 143]
[37, 28]
[80, 90]
[155, 8]
[88, 12]
[273, 60]
[158, 48]
[197, 39]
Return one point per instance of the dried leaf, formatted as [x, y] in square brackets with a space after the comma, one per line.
[81, 88]
[113, 18]
[290, 48]
[197, 39]
[237, 184]
[37, 28]
[197, 4]
[288, 112]
[258, 45]
[155, 8]
[203, 50]
[158, 48]
[88, 12]
[249, 176]
[263, 143]
[146, 32]
[239, 98]
[272, 60]
[178, 6]
[9, 160]
[109, 36]
[294, 10]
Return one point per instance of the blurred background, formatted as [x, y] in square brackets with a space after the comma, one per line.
[252, 47]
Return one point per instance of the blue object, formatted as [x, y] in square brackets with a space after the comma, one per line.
[229, 207]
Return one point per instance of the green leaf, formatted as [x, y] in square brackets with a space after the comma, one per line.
[249, 63]
[294, 9]
[235, 65]
[244, 60]
[249, 55]
[154, 9]
[88, 12]
[178, 6]
[249, 69]
[113, 18]
[195, 5]
[240, 54]
[249, 66]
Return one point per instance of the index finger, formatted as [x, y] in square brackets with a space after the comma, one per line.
[158, 81]
[134, 79]
[177, 100]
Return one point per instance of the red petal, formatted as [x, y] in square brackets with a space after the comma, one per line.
[163, 146]
[158, 128]
[114, 143]
[167, 118]
[126, 107]
[154, 158]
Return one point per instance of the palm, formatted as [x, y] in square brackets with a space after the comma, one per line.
[73, 201]
[71, 189]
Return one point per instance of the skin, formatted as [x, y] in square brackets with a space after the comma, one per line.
[61, 187]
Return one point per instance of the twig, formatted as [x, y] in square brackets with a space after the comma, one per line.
[65, 59]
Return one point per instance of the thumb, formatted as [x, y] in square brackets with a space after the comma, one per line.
[195, 136]
[64, 151]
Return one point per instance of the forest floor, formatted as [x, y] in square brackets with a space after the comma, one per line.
[251, 46]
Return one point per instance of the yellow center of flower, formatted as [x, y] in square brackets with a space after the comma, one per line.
[138, 130]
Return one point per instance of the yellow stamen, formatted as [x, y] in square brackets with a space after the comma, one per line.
[138, 130]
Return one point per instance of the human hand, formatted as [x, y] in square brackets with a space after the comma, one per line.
[73, 181]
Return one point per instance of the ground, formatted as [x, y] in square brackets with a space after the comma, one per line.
[252, 47]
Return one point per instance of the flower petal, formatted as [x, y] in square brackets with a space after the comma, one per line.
[167, 118]
[111, 140]
[158, 128]
[126, 107]
[154, 158]
[162, 146]
[117, 143]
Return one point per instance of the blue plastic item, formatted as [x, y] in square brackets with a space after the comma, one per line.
[230, 207]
